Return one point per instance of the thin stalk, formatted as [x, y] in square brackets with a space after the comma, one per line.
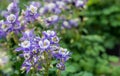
[47, 65]
[46, 71]
[15, 38]
[58, 73]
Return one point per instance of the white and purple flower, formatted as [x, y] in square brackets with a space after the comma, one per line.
[11, 18]
[44, 44]
[13, 8]
[34, 49]
[31, 14]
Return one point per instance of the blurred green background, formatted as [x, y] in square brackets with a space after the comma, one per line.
[95, 44]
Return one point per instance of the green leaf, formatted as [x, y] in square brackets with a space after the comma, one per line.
[113, 59]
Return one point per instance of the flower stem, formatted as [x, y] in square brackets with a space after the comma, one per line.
[15, 38]
[46, 71]
[58, 73]
[47, 65]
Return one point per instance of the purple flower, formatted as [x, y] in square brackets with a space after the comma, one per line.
[26, 41]
[64, 53]
[60, 4]
[31, 14]
[44, 44]
[33, 9]
[11, 18]
[60, 66]
[3, 28]
[68, 1]
[13, 8]
[66, 24]
[49, 33]
[10, 25]
[57, 11]
[79, 3]
[25, 44]
[34, 49]
[28, 35]
[13, 23]
[74, 22]
[26, 55]
[55, 39]
[53, 48]
[43, 10]
[37, 4]
[51, 6]
[51, 20]
[26, 66]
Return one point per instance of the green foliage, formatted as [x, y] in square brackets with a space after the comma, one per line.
[100, 31]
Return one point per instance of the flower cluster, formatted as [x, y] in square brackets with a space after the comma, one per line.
[31, 13]
[38, 52]
[51, 12]
[59, 7]
[11, 22]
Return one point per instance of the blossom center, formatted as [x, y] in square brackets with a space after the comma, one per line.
[25, 44]
[65, 23]
[44, 44]
[27, 55]
[33, 9]
[55, 39]
[4, 26]
[11, 18]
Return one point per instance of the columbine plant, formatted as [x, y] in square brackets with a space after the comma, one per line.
[31, 13]
[11, 26]
[39, 52]
[54, 12]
